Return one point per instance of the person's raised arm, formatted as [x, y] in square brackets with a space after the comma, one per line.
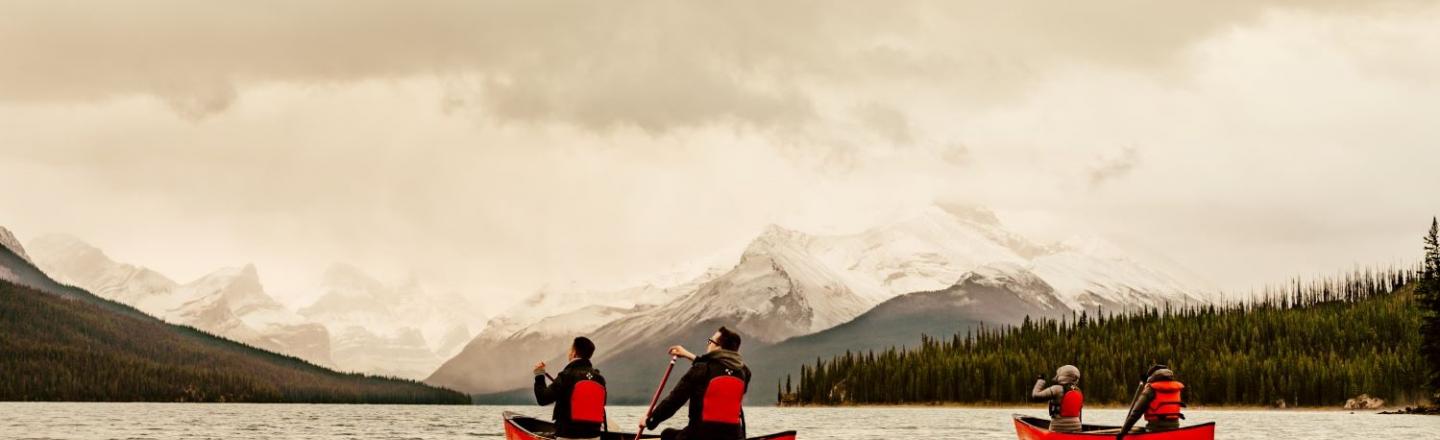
[678, 396]
[1040, 392]
[680, 351]
[544, 395]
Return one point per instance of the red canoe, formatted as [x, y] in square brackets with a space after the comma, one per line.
[1035, 428]
[520, 427]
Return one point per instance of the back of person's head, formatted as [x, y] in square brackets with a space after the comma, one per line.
[1160, 375]
[728, 340]
[583, 347]
[1068, 374]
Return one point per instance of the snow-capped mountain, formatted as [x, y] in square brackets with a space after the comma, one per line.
[993, 294]
[74, 262]
[17, 267]
[789, 284]
[541, 327]
[9, 241]
[996, 293]
[1091, 273]
[229, 302]
[932, 250]
[399, 330]
[780, 288]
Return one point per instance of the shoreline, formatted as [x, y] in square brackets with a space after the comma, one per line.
[1041, 407]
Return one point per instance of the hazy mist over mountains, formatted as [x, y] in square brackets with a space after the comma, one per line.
[358, 324]
[785, 284]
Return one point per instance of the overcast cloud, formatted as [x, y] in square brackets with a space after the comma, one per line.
[492, 147]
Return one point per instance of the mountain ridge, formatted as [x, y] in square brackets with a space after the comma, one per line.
[64, 343]
[787, 285]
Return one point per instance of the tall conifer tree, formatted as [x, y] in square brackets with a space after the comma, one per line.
[1428, 295]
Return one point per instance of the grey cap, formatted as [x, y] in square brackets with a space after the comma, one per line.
[1162, 374]
[1067, 375]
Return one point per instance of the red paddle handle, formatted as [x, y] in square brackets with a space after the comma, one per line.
[656, 398]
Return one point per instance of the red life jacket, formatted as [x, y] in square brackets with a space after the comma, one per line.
[1071, 402]
[1167, 404]
[587, 402]
[722, 399]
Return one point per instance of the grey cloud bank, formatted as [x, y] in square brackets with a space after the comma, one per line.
[495, 146]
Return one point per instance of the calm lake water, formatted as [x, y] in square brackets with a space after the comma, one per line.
[246, 421]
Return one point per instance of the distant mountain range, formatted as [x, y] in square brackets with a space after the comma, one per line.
[64, 343]
[795, 296]
[358, 324]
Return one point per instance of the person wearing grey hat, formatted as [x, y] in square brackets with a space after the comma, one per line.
[1066, 400]
[1159, 402]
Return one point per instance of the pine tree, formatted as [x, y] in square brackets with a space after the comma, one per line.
[1428, 296]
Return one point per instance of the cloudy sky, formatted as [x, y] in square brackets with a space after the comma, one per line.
[495, 147]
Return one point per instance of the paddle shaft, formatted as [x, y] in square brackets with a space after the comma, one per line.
[1133, 401]
[656, 399]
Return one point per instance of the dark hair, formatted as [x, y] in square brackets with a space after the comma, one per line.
[729, 340]
[583, 347]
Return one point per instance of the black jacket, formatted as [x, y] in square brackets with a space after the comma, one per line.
[559, 392]
[691, 389]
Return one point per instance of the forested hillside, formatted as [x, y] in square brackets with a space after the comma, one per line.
[62, 343]
[62, 349]
[1308, 344]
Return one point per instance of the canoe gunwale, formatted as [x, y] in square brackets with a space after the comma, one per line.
[513, 420]
[1043, 431]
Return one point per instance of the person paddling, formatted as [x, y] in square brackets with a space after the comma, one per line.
[714, 387]
[1066, 400]
[578, 393]
[1159, 402]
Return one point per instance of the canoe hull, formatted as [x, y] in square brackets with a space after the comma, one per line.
[520, 427]
[1030, 428]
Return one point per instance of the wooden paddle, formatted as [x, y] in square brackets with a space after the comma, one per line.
[656, 398]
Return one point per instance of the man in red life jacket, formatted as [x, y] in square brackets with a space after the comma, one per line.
[714, 387]
[1159, 402]
[578, 393]
[1066, 400]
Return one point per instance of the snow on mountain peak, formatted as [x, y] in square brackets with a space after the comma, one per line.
[71, 261]
[241, 277]
[63, 245]
[1015, 281]
[776, 236]
[237, 287]
[1093, 245]
[8, 240]
[1001, 274]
